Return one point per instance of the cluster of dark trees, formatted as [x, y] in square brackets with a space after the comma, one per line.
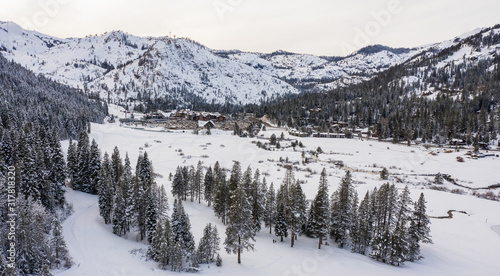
[132, 202]
[35, 113]
[383, 225]
[27, 97]
[32, 158]
[466, 108]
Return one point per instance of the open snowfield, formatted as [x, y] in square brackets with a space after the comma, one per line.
[467, 244]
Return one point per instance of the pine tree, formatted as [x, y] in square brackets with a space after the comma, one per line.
[94, 168]
[83, 163]
[321, 212]
[72, 161]
[198, 178]
[218, 261]
[205, 245]
[119, 213]
[257, 192]
[343, 205]
[191, 183]
[362, 232]
[240, 231]
[144, 202]
[385, 222]
[117, 165]
[104, 190]
[178, 186]
[151, 212]
[270, 207]
[220, 205]
[208, 186]
[57, 175]
[127, 187]
[60, 254]
[181, 229]
[280, 228]
[157, 240]
[296, 211]
[422, 229]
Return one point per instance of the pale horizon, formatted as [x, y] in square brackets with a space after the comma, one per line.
[325, 29]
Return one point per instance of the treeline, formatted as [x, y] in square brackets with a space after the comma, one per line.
[31, 209]
[27, 97]
[384, 225]
[133, 202]
[391, 104]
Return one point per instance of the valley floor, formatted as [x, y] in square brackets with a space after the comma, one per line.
[466, 244]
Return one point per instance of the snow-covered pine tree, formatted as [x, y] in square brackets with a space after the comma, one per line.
[127, 187]
[240, 231]
[157, 239]
[198, 181]
[215, 242]
[220, 204]
[117, 165]
[270, 207]
[296, 211]
[166, 246]
[191, 183]
[234, 181]
[104, 190]
[280, 228]
[384, 222]
[309, 227]
[247, 181]
[178, 186]
[205, 245]
[257, 196]
[57, 174]
[60, 254]
[32, 244]
[83, 167]
[71, 161]
[343, 204]
[162, 202]
[181, 229]
[119, 213]
[208, 186]
[362, 232]
[177, 258]
[218, 261]
[94, 168]
[321, 211]
[143, 198]
[152, 211]
[422, 229]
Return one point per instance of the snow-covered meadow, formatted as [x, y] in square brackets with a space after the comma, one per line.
[463, 245]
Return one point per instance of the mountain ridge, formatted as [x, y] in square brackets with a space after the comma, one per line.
[121, 67]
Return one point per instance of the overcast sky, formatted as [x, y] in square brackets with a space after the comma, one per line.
[321, 27]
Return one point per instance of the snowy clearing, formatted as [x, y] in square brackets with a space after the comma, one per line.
[466, 244]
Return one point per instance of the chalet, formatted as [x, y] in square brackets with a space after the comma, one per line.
[206, 124]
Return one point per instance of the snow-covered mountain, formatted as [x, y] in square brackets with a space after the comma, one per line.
[317, 73]
[119, 66]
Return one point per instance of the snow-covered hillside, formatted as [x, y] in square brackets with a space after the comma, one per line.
[119, 66]
[322, 73]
